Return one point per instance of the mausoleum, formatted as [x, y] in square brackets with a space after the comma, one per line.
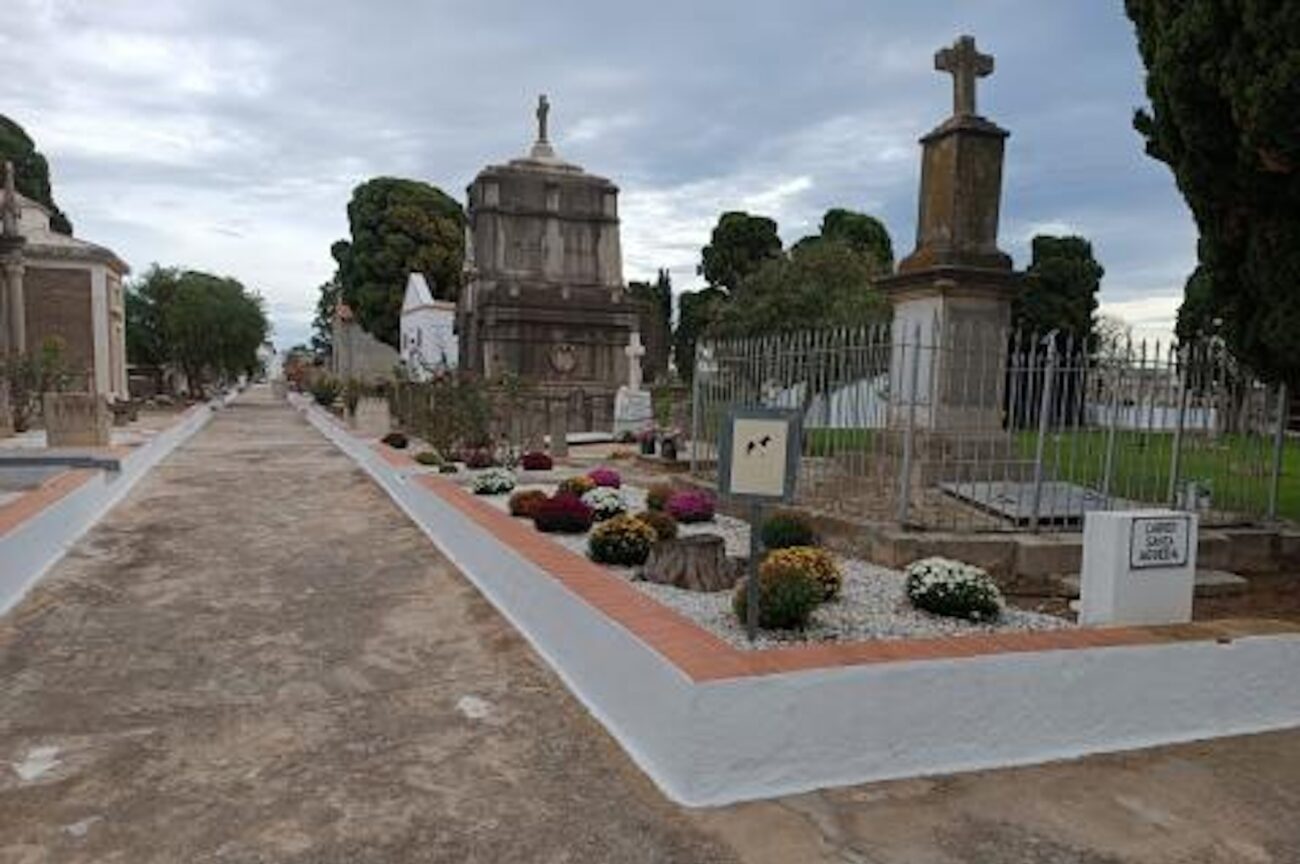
[55, 285]
[544, 297]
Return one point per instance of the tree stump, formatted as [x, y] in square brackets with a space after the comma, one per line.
[696, 563]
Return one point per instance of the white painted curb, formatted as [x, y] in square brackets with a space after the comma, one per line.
[30, 550]
[758, 737]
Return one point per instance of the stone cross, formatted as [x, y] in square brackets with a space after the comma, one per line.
[543, 113]
[964, 63]
[634, 351]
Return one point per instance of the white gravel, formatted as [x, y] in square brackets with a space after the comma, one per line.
[872, 605]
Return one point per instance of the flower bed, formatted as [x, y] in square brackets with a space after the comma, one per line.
[872, 602]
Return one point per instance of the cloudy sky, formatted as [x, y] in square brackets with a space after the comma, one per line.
[227, 135]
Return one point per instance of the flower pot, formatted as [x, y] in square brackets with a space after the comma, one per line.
[668, 449]
[648, 448]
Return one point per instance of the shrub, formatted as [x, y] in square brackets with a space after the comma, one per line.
[626, 437]
[607, 478]
[786, 528]
[396, 440]
[325, 390]
[665, 526]
[428, 457]
[478, 459]
[623, 540]
[692, 505]
[605, 503]
[576, 486]
[953, 589]
[493, 481]
[524, 502]
[447, 468]
[562, 513]
[816, 563]
[656, 497]
[536, 460]
[787, 597]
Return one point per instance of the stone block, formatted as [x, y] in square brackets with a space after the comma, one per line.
[1252, 550]
[1288, 551]
[1139, 567]
[76, 420]
[1039, 556]
[1214, 550]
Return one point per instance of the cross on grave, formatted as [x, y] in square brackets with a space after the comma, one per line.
[634, 351]
[965, 64]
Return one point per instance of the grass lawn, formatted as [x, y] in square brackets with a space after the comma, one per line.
[1235, 468]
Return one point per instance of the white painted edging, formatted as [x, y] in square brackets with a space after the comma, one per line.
[758, 737]
[30, 550]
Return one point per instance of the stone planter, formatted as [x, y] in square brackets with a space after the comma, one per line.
[76, 420]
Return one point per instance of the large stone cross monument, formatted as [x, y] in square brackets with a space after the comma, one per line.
[954, 291]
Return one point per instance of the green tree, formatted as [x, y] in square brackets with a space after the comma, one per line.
[861, 232]
[209, 326]
[322, 326]
[1062, 295]
[398, 227]
[1198, 316]
[696, 313]
[31, 171]
[1223, 79]
[739, 245]
[822, 284]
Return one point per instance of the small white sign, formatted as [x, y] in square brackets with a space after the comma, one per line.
[1159, 542]
[758, 457]
[1139, 567]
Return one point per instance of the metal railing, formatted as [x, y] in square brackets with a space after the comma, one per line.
[973, 427]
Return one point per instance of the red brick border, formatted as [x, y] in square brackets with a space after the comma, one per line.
[702, 656]
[52, 490]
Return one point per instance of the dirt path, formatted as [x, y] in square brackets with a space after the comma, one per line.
[256, 657]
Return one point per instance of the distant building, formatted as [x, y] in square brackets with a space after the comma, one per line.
[272, 362]
[56, 286]
[428, 331]
[357, 354]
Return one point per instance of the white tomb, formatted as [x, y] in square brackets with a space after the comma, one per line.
[1139, 567]
[428, 331]
[633, 409]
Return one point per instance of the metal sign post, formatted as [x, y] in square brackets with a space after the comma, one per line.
[758, 462]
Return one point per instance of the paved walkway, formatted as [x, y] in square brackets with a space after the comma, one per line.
[257, 658]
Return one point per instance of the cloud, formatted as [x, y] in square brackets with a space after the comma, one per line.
[228, 134]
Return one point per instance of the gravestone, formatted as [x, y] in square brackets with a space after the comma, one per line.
[1139, 567]
[633, 408]
[954, 291]
[76, 420]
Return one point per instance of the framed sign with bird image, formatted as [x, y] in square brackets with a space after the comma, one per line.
[759, 456]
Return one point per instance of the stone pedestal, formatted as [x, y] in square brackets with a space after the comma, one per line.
[76, 420]
[633, 410]
[1139, 567]
[948, 367]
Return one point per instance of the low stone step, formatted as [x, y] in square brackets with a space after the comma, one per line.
[1209, 583]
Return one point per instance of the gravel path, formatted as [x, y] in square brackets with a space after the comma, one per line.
[872, 605]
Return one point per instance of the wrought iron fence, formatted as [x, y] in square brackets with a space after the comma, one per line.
[972, 427]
